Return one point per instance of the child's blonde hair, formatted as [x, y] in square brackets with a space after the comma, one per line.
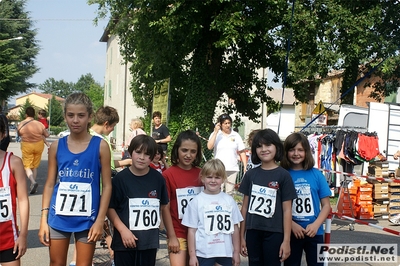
[213, 167]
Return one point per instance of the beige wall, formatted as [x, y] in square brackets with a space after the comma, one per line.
[117, 92]
[35, 99]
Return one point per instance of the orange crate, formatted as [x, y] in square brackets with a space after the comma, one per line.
[365, 216]
[347, 198]
[364, 202]
[365, 187]
[365, 209]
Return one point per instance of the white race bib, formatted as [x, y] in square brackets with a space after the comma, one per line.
[144, 213]
[5, 204]
[74, 199]
[262, 201]
[184, 196]
[302, 206]
[218, 219]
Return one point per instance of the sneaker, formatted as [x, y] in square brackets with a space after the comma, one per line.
[34, 187]
[163, 233]
[395, 219]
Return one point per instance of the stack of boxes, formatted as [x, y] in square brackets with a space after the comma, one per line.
[380, 198]
[379, 169]
[364, 208]
[394, 198]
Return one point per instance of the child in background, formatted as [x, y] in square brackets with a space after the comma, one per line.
[183, 184]
[212, 218]
[312, 192]
[250, 164]
[71, 202]
[267, 203]
[42, 118]
[13, 192]
[138, 194]
[159, 162]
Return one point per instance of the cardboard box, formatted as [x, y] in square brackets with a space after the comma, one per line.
[394, 184]
[381, 201]
[381, 216]
[380, 195]
[381, 187]
[394, 195]
[380, 209]
[394, 189]
[397, 172]
[379, 164]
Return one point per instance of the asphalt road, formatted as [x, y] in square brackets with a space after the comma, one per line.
[37, 254]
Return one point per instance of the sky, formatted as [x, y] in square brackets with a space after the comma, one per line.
[68, 39]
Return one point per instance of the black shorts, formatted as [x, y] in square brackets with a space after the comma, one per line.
[8, 255]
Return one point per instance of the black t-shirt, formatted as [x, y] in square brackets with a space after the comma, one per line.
[125, 186]
[161, 133]
[277, 179]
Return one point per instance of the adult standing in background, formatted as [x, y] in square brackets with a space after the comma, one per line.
[227, 144]
[6, 139]
[136, 128]
[160, 132]
[33, 135]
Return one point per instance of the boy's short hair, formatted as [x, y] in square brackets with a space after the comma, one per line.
[267, 137]
[143, 143]
[30, 111]
[42, 112]
[213, 167]
[106, 114]
[250, 137]
[157, 114]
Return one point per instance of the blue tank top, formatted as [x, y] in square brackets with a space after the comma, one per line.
[75, 201]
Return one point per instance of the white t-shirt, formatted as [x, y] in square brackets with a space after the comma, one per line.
[214, 216]
[226, 149]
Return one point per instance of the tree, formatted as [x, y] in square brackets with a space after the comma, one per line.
[96, 94]
[58, 88]
[22, 110]
[85, 84]
[207, 48]
[55, 112]
[350, 36]
[17, 57]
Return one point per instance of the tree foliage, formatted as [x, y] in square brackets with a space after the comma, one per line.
[58, 88]
[350, 36]
[22, 110]
[17, 57]
[210, 48]
[55, 112]
[85, 83]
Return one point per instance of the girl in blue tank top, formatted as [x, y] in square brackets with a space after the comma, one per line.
[72, 201]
